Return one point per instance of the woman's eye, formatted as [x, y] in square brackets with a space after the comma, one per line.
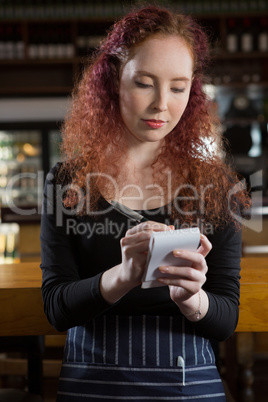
[178, 90]
[141, 85]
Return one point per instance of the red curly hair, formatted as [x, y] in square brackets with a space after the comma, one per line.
[94, 123]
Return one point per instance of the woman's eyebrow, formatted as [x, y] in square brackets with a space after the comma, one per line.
[147, 74]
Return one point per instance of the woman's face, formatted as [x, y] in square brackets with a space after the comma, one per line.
[154, 88]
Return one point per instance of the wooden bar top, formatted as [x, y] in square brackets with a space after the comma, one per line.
[253, 316]
[23, 275]
[21, 306]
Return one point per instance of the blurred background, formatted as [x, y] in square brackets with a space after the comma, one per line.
[44, 45]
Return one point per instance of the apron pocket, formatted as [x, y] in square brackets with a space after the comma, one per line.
[110, 383]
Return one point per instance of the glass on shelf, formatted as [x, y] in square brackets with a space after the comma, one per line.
[9, 243]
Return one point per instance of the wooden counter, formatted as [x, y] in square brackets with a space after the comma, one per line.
[21, 303]
[253, 316]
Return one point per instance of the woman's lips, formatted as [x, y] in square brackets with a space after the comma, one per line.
[155, 123]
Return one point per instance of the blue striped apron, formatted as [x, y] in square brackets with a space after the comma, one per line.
[138, 358]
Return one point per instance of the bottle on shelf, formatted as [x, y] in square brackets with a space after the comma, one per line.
[232, 36]
[33, 43]
[53, 49]
[19, 44]
[6, 147]
[43, 43]
[69, 50]
[59, 40]
[263, 35]
[81, 41]
[9, 42]
[247, 40]
[2, 42]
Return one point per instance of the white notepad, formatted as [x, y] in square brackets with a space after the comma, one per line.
[160, 253]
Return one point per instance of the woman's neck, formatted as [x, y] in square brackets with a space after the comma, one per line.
[142, 156]
[136, 183]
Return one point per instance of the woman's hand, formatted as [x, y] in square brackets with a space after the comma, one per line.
[134, 249]
[185, 283]
[119, 280]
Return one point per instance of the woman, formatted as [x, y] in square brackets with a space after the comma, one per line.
[141, 132]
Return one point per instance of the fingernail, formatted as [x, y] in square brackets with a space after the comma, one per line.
[176, 252]
[163, 269]
[172, 227]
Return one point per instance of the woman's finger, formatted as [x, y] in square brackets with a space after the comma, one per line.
[148, 225]
[134, 252]
[137, 237]
[205, 246]
[171, 273]
[190, 287]
[196, 259]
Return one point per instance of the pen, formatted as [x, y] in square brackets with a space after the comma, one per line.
[129, 213]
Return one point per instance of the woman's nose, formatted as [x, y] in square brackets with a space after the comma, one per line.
[160, 101]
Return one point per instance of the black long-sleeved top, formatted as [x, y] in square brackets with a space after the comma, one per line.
[76, 250]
